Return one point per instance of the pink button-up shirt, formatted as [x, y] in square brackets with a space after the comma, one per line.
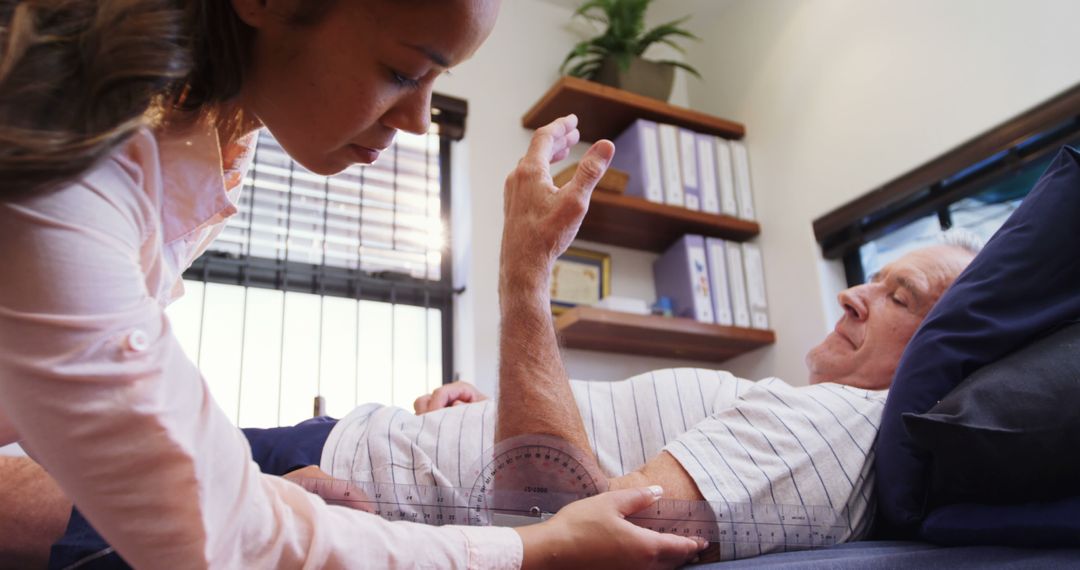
[95, 386]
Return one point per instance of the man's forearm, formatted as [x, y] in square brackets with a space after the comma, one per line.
[534, 392]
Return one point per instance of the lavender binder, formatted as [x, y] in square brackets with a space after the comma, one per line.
[682, 274]
[637, 152]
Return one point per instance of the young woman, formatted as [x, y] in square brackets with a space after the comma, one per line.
[125, 130]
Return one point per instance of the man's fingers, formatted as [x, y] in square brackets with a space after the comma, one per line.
[544, 140]
[591, 168]
[563, 145]
[421, 404]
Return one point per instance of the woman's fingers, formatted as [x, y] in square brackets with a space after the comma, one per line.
[636, 499]
[675, 550]
[309, 472]
[671, 549]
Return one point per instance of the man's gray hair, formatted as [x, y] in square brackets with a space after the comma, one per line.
[966, 240]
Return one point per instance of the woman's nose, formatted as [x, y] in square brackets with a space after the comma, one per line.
[412, 113]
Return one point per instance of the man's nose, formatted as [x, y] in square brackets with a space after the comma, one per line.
[853, 301]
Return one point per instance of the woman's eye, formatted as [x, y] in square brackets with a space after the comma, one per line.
[404, 81]
[898, 300]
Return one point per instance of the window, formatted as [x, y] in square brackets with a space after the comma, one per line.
[982, 214]
[338, 287]
[974, 186]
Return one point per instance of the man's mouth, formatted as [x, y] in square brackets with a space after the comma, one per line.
[846, 338]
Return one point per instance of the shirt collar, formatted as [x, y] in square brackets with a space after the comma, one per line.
[195, 188]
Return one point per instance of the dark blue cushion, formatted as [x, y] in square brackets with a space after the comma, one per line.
[1005, 434]
[285, 449]
[1025, 283]
[1047, 525]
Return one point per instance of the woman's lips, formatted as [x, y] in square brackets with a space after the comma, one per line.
[363, 154]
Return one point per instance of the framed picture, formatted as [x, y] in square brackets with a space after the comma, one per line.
[580, 277]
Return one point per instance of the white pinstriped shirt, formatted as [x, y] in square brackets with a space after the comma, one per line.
[763, 442]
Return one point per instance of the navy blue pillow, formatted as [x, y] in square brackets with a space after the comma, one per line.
[1032, 525]
[1009, 432]
[1026, 282]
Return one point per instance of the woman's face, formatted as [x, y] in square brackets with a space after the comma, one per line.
[335, 92]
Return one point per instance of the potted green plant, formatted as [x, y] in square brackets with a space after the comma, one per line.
[615, 56]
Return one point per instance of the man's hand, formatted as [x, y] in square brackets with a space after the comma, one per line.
[540, 219]
[453, 394]
[594, 533]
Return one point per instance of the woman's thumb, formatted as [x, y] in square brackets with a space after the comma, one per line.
[630, 501]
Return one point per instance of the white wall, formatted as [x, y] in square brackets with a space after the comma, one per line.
[840, 96]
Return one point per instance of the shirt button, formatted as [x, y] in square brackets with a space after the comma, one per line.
[138, 341]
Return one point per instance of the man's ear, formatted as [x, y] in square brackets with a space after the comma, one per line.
[253, 12]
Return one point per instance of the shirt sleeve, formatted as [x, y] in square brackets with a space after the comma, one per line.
[629, 421]
[808, 447]
[101, 394]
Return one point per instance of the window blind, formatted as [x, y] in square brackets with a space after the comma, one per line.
[380, 218]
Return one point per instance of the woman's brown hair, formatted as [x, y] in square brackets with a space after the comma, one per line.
[78, 77]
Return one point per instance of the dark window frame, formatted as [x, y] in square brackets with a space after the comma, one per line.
[957, 174]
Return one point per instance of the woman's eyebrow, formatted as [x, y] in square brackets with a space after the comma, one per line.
[436, 57]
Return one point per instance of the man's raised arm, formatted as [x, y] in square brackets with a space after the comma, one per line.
[540, 222]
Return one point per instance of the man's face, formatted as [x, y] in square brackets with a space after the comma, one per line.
[881, 316]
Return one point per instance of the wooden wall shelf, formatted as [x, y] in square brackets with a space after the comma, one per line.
[604, 112]
[590, 328]
[626, 221]
[636, 223]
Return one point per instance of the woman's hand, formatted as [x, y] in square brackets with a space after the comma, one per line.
[594, 533]
[452, 394]
[540, 219]
[358, 499]
[309, 472]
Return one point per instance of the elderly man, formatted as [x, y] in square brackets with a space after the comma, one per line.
[708, 435]
[700, 434]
